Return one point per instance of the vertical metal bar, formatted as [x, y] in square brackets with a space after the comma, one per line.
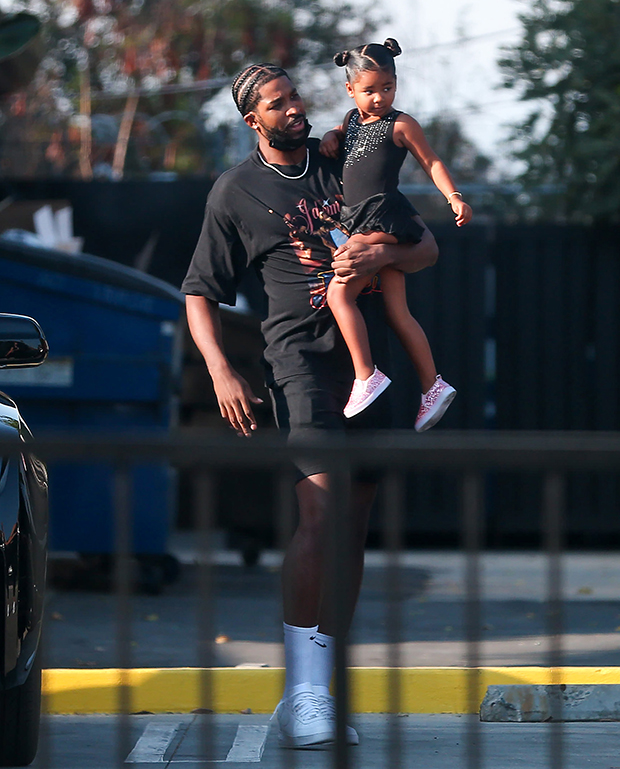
[393, 503]
[339, 560]
[122, 578]
[473, 538]
[286, 509]
[553, 504]
[44, 757]
[44, 748]
[203, 518]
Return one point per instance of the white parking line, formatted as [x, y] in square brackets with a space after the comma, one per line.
[151, 747]
[153, 744]
[249, 744]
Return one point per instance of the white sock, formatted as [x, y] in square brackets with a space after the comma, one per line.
[298, 658]
[323, 662]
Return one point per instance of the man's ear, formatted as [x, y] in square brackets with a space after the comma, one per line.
[250, 119]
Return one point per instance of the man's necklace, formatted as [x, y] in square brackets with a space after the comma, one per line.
[286, 176]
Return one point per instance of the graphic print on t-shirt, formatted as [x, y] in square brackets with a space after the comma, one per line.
[316, 219]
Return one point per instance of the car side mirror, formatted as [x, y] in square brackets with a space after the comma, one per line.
[22, 342]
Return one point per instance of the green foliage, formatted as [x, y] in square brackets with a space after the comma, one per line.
[465, 162]
[568, 65]
[463, 158]
[169, 51]
[162, 42]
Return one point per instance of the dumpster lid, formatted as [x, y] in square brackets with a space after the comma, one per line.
[90, 267]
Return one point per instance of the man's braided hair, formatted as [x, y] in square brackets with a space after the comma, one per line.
[247, 84]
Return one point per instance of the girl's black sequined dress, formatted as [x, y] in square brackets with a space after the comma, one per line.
[372, 163]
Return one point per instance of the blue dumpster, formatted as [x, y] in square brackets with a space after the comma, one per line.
[114, 366]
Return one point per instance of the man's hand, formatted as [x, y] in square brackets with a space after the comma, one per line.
[358, 258]
[235, 399]
[355, 259]
[233, 393]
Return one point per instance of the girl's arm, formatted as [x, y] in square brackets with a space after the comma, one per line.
[332, 141]
[408, 133]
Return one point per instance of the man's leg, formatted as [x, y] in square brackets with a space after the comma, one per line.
[304, 561]
[351, 554]
[309, 594]
[301, 719]
[304, 406]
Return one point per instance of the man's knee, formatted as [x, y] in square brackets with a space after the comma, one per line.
[313, 501]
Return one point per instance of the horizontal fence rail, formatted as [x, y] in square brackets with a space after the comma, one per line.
[470, 456]
[444, 450]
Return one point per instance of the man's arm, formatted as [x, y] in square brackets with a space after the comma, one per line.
[354, 258]
[233, 393]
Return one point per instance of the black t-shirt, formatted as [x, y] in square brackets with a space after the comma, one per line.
[256, 218]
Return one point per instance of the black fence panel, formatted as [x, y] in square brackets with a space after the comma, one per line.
[152, 225]
[556, 334]
[556, 328]
[449, 301]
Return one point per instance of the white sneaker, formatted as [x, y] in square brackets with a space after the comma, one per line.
[302, 721]
[434, 404]
[328, 708]
[365, 392]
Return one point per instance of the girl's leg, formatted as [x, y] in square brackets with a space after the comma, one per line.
[409, 332]
[341, 298]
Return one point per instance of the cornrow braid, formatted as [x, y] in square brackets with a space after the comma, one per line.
[247, 84]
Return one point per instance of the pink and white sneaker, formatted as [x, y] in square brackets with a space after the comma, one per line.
[365, 391]
[434, 405]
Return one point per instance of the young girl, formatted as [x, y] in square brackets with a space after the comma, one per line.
[376, 140]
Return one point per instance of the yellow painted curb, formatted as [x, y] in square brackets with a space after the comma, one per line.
[230, 690]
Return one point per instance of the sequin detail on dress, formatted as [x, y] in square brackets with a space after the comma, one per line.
[363, 139]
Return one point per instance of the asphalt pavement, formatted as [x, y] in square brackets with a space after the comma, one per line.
[425, 741]
[245, 625]
[245, 618]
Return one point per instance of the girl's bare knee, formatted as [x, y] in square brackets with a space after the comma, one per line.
[431, 249]
[338, 295]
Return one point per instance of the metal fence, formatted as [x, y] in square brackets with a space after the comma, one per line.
[469, 457]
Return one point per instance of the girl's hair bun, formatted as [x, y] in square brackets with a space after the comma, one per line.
[393, 46]
[340, 59]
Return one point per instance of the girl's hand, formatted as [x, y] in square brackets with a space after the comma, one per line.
[462, 211]
[330, 144]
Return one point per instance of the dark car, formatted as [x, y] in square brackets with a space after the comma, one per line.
[23, 556]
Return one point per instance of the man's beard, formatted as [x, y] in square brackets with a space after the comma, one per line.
[280, 139]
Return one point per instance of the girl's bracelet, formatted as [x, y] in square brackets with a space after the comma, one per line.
[452, 194]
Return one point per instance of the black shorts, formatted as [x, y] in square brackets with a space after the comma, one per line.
[307, 406]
